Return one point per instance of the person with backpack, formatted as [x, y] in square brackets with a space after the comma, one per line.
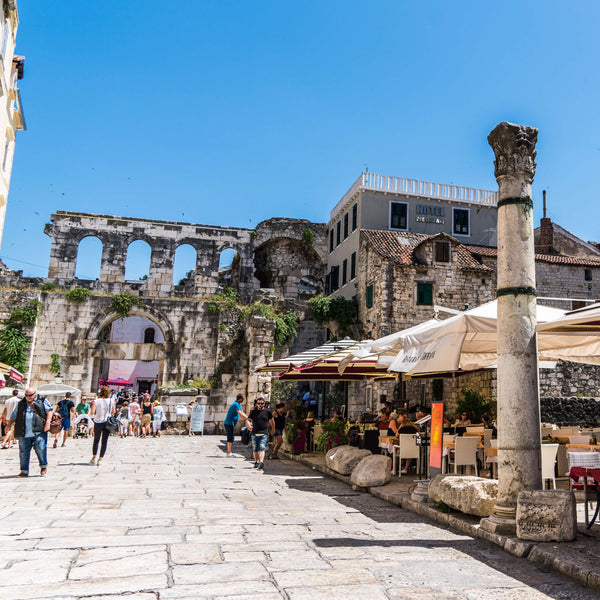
[66, 409]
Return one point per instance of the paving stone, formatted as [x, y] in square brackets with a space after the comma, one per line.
[218, 572]
[191, 554]
[337, 592]
[234, 588]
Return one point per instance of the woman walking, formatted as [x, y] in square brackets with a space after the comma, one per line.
[147, 409]
[158, 416]
[101, 410]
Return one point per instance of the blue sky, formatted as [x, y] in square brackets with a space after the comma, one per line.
[229, 112]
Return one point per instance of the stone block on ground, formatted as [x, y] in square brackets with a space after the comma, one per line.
[471, 495]
[372, 471]
[546, 516]
[343, 459]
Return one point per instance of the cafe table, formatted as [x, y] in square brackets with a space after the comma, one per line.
[575, 473]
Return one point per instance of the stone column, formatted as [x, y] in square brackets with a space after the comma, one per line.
[519, 438]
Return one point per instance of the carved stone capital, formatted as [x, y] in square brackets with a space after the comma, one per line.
[514, 147]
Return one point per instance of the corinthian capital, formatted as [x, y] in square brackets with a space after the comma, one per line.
[514, 147]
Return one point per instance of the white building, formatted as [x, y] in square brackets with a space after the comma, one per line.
[11, 112]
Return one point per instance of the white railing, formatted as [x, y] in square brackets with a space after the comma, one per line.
[414, 187]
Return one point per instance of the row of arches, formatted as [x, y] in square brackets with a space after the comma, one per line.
[137, 262]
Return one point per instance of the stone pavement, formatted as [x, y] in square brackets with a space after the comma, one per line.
[174, 518]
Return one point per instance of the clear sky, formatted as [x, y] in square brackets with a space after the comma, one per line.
[228, 112]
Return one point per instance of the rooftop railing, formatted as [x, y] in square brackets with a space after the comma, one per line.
[414, 187]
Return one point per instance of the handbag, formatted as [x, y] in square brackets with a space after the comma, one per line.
[112, 425]
[55, 423]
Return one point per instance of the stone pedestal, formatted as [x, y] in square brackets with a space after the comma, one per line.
[546, 516]
[519, 439]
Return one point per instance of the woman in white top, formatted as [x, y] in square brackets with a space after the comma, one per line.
[101, 410]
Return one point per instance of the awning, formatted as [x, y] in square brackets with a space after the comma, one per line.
[116, 382]
[321, 364]
[11, 372]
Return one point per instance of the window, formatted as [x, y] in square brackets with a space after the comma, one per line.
[345, 272]
[354, 217]
[587, 273]
[331, 240]
[334, 278]
[149, 335]
[345, 225]
[460, 221]
[353, 266]
[398, 215]
[369, 296]
[424, 294]
[338, 233]
[441, 251]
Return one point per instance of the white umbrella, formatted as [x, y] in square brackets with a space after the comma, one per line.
[466, 341]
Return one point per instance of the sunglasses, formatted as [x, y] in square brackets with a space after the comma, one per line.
[29, 395]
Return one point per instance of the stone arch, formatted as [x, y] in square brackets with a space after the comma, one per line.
[88, 262]
[229, 272]
[183, 263]
[105, 318]
[138, 259]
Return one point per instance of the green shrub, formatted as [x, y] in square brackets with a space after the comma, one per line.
[50, 286]
[14, 345]
[474, 403]
[77, 294]
[333, 434]
[25, 316]
[308, 237]
[124, 302]
[339, 311]
[54, 364]
[199, 383]
[227, 298]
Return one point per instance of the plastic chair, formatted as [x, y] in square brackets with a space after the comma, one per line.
[549, 452]
[465, 453]
[407, 448]
[487, 438]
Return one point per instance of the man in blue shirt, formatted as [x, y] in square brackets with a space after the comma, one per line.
[233, 414]
[32, 418]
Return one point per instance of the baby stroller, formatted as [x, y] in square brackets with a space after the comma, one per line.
[82, 426]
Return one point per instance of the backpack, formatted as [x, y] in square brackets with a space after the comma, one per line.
[63, 409]
[245, 436]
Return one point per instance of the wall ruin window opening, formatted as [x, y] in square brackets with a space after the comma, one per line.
[149, 335]
[89, 259]
[184, 265]
[442, 252]
[229, 268]
[137, 265]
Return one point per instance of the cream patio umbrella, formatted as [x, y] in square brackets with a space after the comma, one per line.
[465, 342]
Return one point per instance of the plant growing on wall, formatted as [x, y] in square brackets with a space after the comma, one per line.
[77, 294]
[14, 343]
[124, 302]
[50, 286]
[286, 324]
[227, 298]
[54, 364]
[308, 237]
[339, 312]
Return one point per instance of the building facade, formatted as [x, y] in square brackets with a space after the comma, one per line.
[11, 110]
[394, 204]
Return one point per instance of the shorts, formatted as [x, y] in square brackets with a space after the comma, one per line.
[146, 419]
[156, 425]
[65, 424]
[229, 430]
[259, 442]
[277, 433]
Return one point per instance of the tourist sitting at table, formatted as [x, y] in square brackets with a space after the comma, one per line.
[336, 416]
[393, 425]
[462, 424]
[487, 423]
[405, 425]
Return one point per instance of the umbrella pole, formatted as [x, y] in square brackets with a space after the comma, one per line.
[519, 438]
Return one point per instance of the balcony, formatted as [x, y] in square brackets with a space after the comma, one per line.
[414, 187]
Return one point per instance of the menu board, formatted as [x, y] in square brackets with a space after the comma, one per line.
[437, 436]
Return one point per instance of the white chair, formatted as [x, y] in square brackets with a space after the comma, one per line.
[407, 448]
[465, 453]
[579, 439]
[549, 452]
[475, 429]
[487, 438]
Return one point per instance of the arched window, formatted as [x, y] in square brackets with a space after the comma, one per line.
[137, 266]
[229, 268]
[149, 333]
[89, 258]
[185, 261]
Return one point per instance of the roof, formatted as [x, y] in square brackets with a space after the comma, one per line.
[400, 247]
[548, 258]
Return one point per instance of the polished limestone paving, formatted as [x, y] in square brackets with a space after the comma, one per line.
[175, 518]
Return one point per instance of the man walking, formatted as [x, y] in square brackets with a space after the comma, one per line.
[233, 414]
[9, 407]
[66, 409]
[258, 423]
[32, 418]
